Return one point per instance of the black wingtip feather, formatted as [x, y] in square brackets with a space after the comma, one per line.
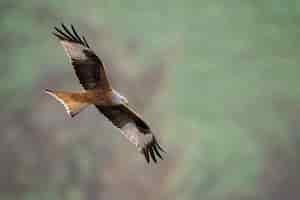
[86, 43]
[65, 34]
[159, 147]
[152, 150]
[76, 34]
[152, 155]
[68, 32]
[157, 152]
[58, 36]
[146, 153]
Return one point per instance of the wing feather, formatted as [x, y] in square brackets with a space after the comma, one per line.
[69, 33]
[85, 42]
[134, 129]
[75, 33]
[88, 67]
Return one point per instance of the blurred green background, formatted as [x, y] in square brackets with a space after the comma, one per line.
[217, 80]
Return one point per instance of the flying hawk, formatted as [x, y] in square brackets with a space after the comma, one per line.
[98, 91]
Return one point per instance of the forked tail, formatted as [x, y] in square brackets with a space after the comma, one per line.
[74, 102]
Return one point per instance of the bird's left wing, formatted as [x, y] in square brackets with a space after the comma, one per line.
[134, 129]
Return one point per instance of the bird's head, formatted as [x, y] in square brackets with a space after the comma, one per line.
[124, 100]
[119, 99]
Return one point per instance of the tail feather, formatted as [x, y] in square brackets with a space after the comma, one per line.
[73, 102]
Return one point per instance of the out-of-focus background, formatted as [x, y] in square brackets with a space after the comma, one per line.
[219, 82]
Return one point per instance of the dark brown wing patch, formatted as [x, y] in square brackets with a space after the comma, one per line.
[120, 116]
[88, 67]
[140, 134]
[87, 70]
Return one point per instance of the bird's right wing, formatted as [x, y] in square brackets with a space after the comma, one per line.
[134, 129]
[88, 67]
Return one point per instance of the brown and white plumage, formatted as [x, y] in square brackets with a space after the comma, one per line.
[91, 73]
[134, 129]
[88, 67]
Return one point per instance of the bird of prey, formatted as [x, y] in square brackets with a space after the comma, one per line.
[98, 91]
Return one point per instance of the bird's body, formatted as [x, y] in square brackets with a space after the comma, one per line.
[91, 73]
